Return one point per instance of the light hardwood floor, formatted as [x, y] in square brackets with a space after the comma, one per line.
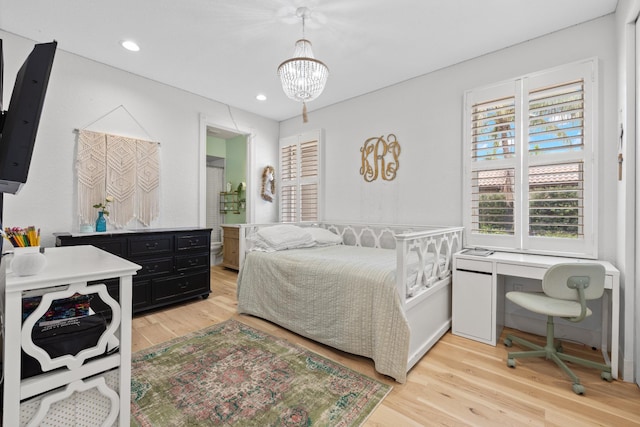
[458, 382]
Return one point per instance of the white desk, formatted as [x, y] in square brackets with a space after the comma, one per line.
[478, 295]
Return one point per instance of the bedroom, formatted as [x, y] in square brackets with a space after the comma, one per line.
[426, 111]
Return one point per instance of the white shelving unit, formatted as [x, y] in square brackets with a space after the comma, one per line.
[69, 384]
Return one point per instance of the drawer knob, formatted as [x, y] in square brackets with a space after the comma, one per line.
[151, 245]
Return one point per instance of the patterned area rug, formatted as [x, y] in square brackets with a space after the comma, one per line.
[232, 374]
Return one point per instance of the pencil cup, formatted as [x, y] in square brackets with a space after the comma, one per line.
[28, 261]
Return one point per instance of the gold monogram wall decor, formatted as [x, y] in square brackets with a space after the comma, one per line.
[380, 157]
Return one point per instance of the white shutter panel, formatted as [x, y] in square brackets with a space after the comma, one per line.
[561, 177]
[556, 200]
[556, 119]
[288, 182]
[493, 129]
[491, 174]
[493, 201]
[309, 180]
[300, 177]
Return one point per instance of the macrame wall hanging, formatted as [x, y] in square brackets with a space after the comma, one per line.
[126, 169]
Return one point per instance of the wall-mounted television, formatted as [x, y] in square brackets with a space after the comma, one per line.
[19, 123]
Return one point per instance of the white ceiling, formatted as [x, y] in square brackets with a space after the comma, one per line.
[228, 50]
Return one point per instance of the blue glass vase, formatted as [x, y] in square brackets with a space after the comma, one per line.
[101, 222]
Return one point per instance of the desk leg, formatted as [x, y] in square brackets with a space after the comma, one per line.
[615, 328]
[604, 333]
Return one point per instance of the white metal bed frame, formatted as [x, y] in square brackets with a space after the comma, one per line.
[426, 299]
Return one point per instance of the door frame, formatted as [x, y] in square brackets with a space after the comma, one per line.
[205, 123]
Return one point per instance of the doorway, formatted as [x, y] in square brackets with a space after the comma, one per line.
[225, 180]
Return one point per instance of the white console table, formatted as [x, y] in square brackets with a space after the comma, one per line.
[67, 272]
[478, 295]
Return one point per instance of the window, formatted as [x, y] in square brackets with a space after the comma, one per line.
[300, 177]
[529, 161]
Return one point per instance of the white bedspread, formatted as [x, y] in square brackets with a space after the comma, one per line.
[342, 296]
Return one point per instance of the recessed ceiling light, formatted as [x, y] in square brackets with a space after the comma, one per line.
[130, 45]
[261, 97]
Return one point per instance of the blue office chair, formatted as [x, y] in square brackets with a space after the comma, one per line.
[566, 289]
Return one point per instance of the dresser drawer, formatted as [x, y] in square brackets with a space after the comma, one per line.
[231, 232]
[192, 262]
[116, 247]
[155, 266]
[141, 295]
[192, 241]
[179, 287]
[151, 245]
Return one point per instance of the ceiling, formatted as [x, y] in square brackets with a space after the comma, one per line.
[229, 50]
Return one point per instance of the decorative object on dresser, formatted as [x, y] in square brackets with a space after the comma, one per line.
[230, 247]
[175, 262]
[233, 374]
[91, 386]
[101, 221]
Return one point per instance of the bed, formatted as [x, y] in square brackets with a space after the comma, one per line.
[379, 291]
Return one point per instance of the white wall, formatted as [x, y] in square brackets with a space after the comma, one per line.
[628, 212]
[80, 92]
[425, 114]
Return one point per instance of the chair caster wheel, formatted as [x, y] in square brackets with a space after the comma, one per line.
[507, 342]
[559, 348]
[578, 389]
[511, 363]
[606, 376]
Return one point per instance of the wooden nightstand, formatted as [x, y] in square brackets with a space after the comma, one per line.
[230, 247]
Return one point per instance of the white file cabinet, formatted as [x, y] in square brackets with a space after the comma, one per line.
[475, 300]
[71, 389]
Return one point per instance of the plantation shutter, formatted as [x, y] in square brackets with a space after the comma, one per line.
[288, 182]
[300, 172]
[493, 139]
[560, 167]
[556, 130]
[493, 196]
[530, 173]
[309, 180]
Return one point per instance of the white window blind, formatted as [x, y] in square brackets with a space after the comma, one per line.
[494, 129]
[493, 194]
[300, 177]
[529, 162]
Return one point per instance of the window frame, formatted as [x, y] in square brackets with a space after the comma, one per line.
[519, 88]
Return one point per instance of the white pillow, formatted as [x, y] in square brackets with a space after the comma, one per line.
[285, 236]
[324, 237]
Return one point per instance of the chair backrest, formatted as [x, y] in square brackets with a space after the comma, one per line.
[559, 279]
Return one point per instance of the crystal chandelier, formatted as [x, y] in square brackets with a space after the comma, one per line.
[303, 77]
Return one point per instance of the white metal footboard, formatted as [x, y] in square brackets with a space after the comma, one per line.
[441, 243]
